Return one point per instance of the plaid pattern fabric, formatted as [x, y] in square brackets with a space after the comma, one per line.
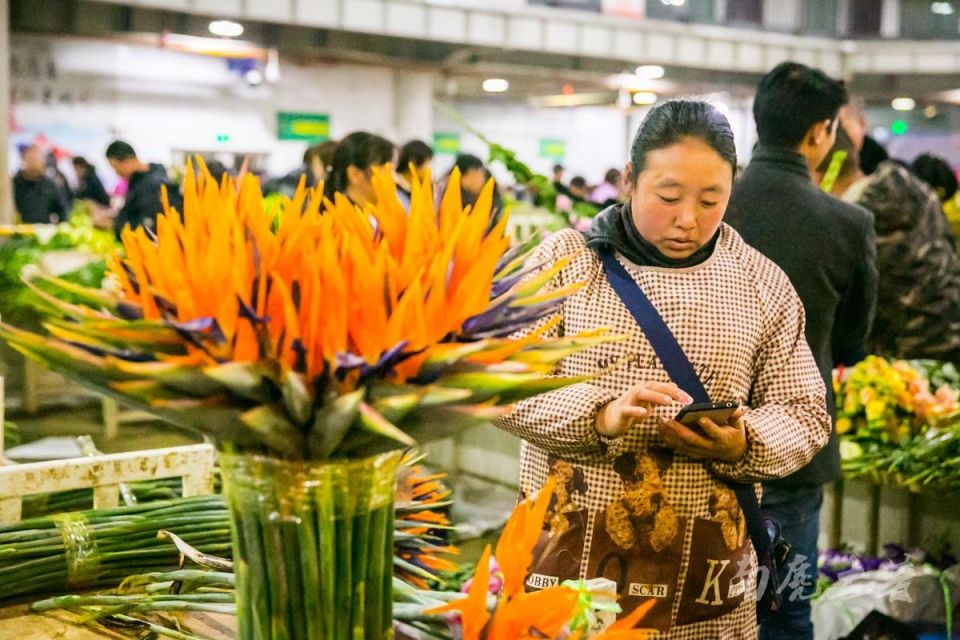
[740, 323]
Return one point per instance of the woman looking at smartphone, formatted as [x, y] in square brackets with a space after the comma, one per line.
[641, 497]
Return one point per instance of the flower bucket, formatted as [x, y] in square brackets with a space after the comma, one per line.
[313, 546]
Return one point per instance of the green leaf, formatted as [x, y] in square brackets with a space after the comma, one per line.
[191, 380]
[505, 387]
[275, 431]
[331, 424]
[395, 407]
[89, 296]
[296, 397]
[252, 380]
[373, 422]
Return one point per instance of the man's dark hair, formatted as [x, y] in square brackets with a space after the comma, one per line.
[578, 182]
[612, 176]
[557, 167]
[872, 154]
[120, 150]
[790, 99]
[937, 173]
[361, 150]
[676, 120]
[81, 163]
[415, 152]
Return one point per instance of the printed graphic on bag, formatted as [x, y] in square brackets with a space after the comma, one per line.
[637, 540]
[559, 552]
[714, 583]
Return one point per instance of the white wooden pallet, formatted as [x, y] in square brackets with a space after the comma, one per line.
[104, 474]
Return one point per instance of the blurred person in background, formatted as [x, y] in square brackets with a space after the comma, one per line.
[89, 186]
[871, 155]
[351, 167]
[473, 176]
[414, 161]
[918, 293]
[145, 184]
[578, 189]
[827, 249]
[36, 196]
[610, 191]
[938, 173]
[316, 163]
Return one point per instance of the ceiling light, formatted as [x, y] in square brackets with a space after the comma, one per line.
[254, 77]
[226, 28]
[930, 112]
[495, 85]
[942, 8]
[650, 71]
[903, 104]
[673, 3]
[644, 97]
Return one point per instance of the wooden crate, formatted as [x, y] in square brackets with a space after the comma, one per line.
[104, 474]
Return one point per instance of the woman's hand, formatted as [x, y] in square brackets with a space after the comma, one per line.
[726, 443]
[637, 403]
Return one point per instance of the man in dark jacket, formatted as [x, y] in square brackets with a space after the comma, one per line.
[144, 186]
[827, 249]
[35, 194]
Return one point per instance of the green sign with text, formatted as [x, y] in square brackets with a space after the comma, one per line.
[551, 148]
[446, 142]
[312, 127]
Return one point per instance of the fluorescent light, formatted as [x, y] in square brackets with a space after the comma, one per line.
[942, 8]
[644, 97]
[903, 104]
[226, 28]
[673, 3]
[650, 71]
[495, 85]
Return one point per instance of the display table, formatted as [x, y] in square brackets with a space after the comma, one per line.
[17, 622]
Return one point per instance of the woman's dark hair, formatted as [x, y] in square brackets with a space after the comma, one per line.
[790, 99]
[361, 150]
[465, 162]
[322, 152]
[872, 154]
[415, 152]
[612, 176]
[937, 173]
[675, 120]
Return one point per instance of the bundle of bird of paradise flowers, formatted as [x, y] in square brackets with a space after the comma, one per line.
[311, 342]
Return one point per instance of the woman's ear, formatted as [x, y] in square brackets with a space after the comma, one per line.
[818, 133]
[355, 175]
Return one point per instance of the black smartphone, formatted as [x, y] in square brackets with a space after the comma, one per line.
[719, 412]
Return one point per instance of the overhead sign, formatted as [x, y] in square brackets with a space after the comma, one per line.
[446, 142]
[312, 127]
[552, 148]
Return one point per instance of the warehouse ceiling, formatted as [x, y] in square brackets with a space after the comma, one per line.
[461, 68]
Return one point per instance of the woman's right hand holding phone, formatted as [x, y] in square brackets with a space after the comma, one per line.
[637, 403]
